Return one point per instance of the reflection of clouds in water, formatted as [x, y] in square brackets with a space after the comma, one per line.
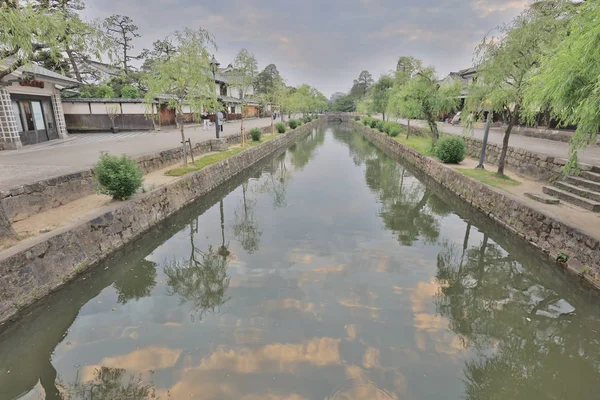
[143, 360]
[351, 330]
[431, 330]
[371, 358]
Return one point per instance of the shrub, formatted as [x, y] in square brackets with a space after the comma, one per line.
[450, 149]
[380, 126]
[294, 123]
[255, 134]
[130, 92]
[280, 127]
[387, 127]
[356, 118]
[118, 177]
[366, 121]
[373, 123]
[395, 130]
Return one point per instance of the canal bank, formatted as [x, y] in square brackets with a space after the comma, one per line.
[344, 276]
[546, 232]
[30, 271]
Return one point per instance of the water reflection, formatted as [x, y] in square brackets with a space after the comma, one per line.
[332, 272]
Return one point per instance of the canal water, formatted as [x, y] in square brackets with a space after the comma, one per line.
[328, 272]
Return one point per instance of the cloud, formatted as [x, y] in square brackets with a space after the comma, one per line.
[325, 43]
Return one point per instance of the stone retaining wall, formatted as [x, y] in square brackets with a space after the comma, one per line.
[526, 163]
[31, 271]
[545, 232]
[27, 200]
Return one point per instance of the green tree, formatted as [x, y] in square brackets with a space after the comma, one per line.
[130, 92]
[185, 77]
[361, 85]
[421, 97]
[267, 80]
[380, 94]
[55, 63]
[244, 77]
[122, 31]
[569, 77]
[31, 27]
[507, 61]
[345, 103]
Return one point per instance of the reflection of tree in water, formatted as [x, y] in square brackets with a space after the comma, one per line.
[109, 384]
[303, 151]
[136, 283]
[404, 201]
[529, 342]
[245, 226]
[274, 181]
[201, 280]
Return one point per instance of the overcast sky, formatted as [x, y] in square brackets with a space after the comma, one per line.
[325, 43]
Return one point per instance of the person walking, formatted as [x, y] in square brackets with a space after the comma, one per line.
[205, 120]
[220, 116]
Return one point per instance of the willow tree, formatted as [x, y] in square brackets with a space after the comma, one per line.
[568, 80]
[184, 78]
[420, 96]
[507, 61]
[244, 77]
[380, 94]
[26, 29]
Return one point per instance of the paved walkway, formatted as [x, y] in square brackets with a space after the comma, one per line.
[81, 151]
[591, 155]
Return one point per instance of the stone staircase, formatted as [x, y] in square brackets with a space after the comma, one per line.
[582, 191]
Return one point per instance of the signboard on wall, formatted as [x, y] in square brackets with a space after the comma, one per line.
[32, 83]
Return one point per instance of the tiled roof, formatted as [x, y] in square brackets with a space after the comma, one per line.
[43, 72]
[100, 100]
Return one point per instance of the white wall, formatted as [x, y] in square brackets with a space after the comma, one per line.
[75, 108]
[48, 89]
[100, 108]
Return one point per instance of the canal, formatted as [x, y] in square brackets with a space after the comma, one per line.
[327, 272]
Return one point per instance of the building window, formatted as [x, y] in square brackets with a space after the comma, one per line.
[232, 109]
[17, 111]
[28, 116]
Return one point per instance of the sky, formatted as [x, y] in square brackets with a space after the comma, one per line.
[324, 43]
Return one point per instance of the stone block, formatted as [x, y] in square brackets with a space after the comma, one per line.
[218, 145]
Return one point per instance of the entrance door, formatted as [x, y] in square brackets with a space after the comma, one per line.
[40, 122]
[33, 121]
[51, 129]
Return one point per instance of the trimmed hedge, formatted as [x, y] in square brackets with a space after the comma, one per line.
[450, 149]
[294, 123]
[280, 126]
[255, 134]
[118, 177]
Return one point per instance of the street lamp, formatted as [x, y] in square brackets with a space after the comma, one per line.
[214, 64]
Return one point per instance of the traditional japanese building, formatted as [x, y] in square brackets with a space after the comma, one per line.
[30, 106]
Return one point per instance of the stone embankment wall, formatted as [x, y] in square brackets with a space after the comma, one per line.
[24, 201]
[545, 232]
[31, 271]
[526, 163]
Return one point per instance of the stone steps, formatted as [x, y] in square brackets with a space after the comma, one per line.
[572, 198]
[590, 175]
[542, 198]
[577, 181]
[579, 191]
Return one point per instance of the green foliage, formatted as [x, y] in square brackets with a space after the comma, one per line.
[361, 85]
[395, 130]
[294, 123]
[366, 121]
[344, 104]
[356, 118]
[380, 93]
[280, 126]
[380, 126]
[97, 92]
[568, 79]
[246, 70]
[130, 92]
[451, 149]
[387, 127]
[255, 134]
[307, 99]
[562, 258]
[373, 123]
[118, 177]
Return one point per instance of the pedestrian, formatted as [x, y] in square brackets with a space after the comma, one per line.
[220, 117]
[205, 120]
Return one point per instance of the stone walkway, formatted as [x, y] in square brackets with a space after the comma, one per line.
[81, 151]
[553, 148]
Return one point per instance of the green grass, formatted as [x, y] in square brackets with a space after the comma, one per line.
[215, 158]
[419, 143]
[489, 178]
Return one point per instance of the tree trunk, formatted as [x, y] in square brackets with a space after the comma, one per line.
[383, 116]
[242, 127]
[185, 164]
[408, 129]
[433, 126]
[511, 123]
[74, 64]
